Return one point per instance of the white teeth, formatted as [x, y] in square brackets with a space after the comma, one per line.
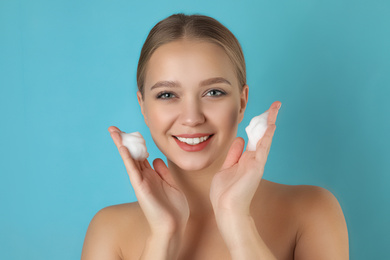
[193, 141]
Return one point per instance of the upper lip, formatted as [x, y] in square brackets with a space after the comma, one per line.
[192, 135]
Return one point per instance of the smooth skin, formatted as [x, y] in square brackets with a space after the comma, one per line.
[213, 203]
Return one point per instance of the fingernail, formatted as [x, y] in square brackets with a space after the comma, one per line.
[280, 105]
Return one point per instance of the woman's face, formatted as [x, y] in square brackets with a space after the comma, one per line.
[192, 103]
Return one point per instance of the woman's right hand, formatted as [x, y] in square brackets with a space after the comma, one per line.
[163, 204]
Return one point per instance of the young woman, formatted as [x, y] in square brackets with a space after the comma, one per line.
[210, 202]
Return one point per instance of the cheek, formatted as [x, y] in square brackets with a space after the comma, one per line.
[159, 119]
[232, 121]
[225, 115]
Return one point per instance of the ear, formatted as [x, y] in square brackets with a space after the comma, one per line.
[243, 101]
[141, 104]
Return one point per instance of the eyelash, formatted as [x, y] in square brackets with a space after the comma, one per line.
[163, 95]
[220, 93]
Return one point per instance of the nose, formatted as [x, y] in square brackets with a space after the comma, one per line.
[191, 113]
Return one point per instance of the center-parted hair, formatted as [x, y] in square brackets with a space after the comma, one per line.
[196, 27]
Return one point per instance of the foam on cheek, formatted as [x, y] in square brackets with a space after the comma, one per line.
[256, 129]
[135, 143]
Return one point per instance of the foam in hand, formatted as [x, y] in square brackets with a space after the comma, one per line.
[256, 130]
[135, 143]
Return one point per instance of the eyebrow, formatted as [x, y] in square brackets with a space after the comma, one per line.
[203, 83]
[212, 81]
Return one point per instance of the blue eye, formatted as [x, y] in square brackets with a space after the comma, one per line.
[165, 95]
[215, 93]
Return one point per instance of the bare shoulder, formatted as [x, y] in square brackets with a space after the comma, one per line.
[119, 215]
[111, 228]
[296, 190]
[321, 230]
[308, 198]
[316, 203]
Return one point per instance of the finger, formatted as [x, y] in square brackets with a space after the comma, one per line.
[234, 153]
[163, 171]
[113, 129]
[144, 164]
[147, 164]
[115, 135]
[132, 166]
[273, 112]
[117, 138]
[138, 164]
[264, 145]
[271, 120]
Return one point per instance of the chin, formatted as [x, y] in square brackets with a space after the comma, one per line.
[190, 165]
[194, 163]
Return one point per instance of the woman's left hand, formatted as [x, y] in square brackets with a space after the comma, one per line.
[233, 187]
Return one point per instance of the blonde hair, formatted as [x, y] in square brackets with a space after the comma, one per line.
[198, 27]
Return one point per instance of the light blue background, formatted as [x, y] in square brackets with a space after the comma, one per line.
[67, 72]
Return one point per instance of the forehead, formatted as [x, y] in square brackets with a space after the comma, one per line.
[189, 61]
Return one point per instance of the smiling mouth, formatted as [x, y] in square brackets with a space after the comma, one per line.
[193, 141]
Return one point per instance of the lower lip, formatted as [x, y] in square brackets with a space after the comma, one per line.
[193, 148]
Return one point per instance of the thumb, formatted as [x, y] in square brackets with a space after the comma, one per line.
[234, 153]
[163, 171]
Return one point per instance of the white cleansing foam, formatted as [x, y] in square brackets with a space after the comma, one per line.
[135, 143]
[256, 130]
